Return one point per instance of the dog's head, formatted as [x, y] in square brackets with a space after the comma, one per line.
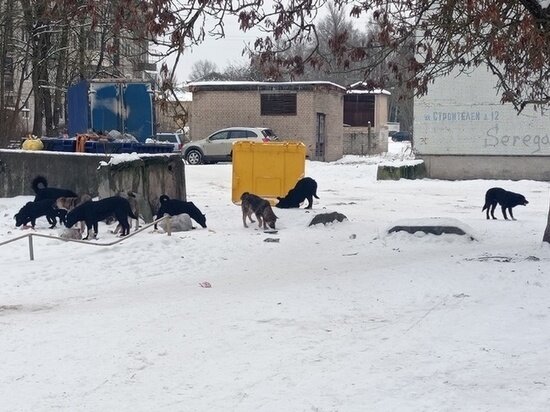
[163, 198]
[286, 203]
[270, 220]
[523, 201]
[70, 219]
[195, 214]
[201, 220]
[19, 219]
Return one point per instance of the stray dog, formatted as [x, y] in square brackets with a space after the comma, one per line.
[132, 199]
[175, 207]
[42, 191]
[33, 210]
[69, 203]
[92, 212]
[260, 207]
[506, 200]
[66, 204]
[305, 188]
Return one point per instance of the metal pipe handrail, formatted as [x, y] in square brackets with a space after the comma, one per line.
[86, 242]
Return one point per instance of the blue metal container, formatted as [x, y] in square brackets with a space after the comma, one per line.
[112, 104]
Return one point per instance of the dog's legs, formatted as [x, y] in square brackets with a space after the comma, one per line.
[511, 215]
[125, 226]
[310, 200]
[244, 218]
[493, 207]
[259, 217]
[250, 217]
[88, 230]
[504, 212]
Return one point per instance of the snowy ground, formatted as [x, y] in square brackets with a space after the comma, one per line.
[336, 318]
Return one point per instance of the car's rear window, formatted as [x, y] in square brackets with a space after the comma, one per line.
[268, 133]
[167, 138]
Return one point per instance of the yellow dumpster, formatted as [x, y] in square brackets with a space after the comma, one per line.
[267, 170]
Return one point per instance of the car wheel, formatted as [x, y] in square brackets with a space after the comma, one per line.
[194, 157]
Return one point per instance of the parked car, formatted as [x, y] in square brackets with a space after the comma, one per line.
[176, 139]
[218, 146]
[401, 136]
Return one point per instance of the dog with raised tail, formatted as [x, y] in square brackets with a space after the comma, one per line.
[252, 204]
[42, 191]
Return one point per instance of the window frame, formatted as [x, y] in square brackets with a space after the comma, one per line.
[279, 104]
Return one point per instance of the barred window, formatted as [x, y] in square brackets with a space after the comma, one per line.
[278, 104]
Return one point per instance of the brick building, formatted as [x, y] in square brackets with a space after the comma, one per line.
[310, 112]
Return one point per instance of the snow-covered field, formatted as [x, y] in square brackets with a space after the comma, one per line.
[335, 318]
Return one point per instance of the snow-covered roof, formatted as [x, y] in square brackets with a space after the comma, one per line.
[361, 87]
[249, 84]
[182, 95]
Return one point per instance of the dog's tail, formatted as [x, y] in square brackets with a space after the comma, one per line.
[163, 198]
[39, 181]
[315, 194]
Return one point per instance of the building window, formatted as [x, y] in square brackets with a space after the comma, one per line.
[8, 65]
[10, 101]
[278, 104]
[359, 109]
[25, 111]
[8, 83]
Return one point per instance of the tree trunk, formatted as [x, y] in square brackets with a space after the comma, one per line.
[60, 78]
[546, 237]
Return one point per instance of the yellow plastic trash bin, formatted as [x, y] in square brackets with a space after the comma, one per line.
[267, 170]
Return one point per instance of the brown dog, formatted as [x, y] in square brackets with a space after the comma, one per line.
[69, 203]
[260, 207]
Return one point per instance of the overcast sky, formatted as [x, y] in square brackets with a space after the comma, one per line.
[222, 52]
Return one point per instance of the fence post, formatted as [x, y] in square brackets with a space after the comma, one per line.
[31, 249]
[169, 225]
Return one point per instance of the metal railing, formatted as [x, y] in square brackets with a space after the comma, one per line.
[87, 242]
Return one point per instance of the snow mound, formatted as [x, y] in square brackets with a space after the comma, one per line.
[432, 225]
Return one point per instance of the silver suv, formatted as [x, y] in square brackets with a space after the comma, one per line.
[218, 146]
[176, 139]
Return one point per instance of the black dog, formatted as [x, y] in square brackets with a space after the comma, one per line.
[506, 199]
[40, 187]
[175, 207]
[33, 210]
[305, 188]
[92, 212]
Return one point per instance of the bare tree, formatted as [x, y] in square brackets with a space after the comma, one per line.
[204, 70]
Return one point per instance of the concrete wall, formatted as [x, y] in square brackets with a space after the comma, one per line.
[487, 167]
[149, 176]
[463, 131]
[77, 172]
[357, 142]
[214, 110]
